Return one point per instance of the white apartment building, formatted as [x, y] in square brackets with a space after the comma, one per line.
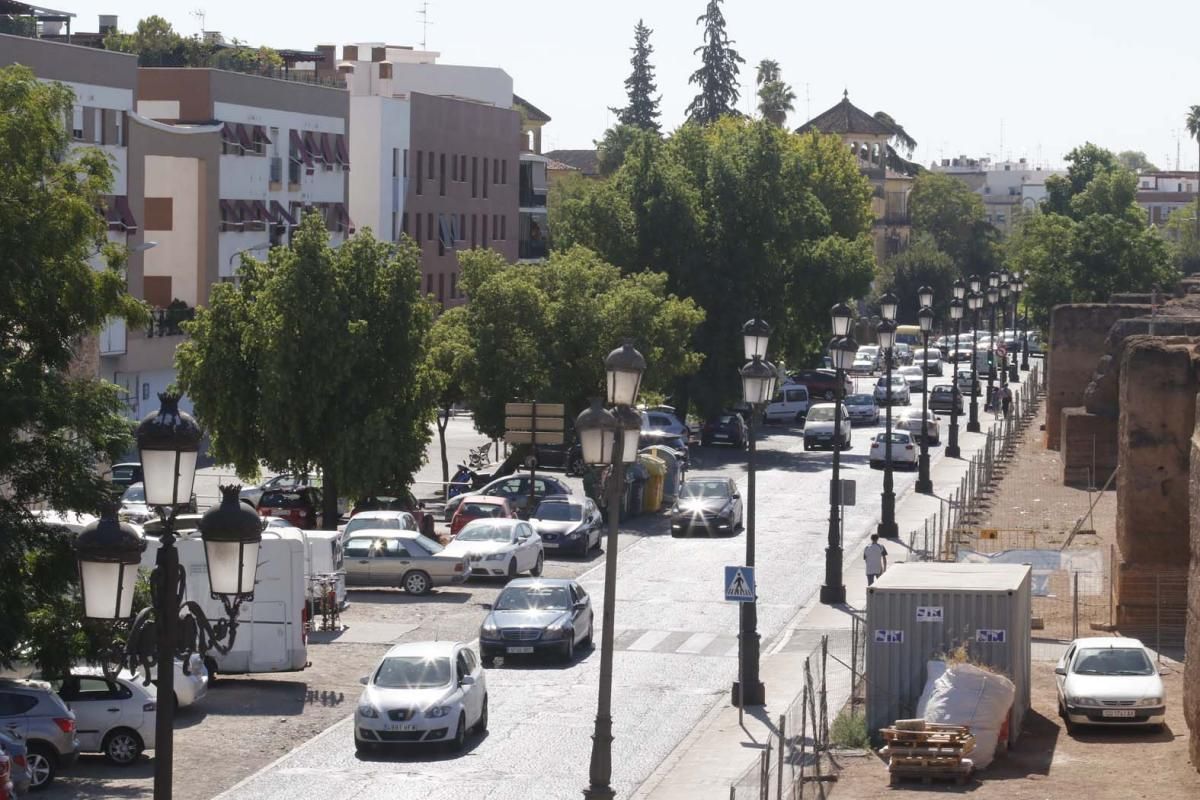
[1006, 187]
[1161, 193]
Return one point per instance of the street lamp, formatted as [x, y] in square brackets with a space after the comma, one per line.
[1005, 290]
[610, 438]
[1024, 323]
[108, 555]
[758, 386]
[974, 302]
[925, 297]
[993, 297]
[841, 349]
[925, 318]
[1014, 290]
[886, 331]
[956, 314]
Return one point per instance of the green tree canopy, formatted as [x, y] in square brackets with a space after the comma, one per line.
[542, 331]
[157, 44]
[717, 77]
[316, 361]
[1084, 163]
[774, 96]
[945, 207]
[642, 110]
[450, 362]
[920, 264]
[1136, 160]
[58, 422]
[1183, 232]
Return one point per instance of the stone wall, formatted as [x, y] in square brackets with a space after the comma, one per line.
[1191, 667]
[1089, 447]
[1078, 334]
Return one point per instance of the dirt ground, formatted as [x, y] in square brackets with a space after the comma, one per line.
[1048, 764]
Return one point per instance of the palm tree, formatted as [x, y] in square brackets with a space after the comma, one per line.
[768, 70]
[901, 139]
[1193, 128]
[774, 96]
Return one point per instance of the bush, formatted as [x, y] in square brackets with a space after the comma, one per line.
[849, 731]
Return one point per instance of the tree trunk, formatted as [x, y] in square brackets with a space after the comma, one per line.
[329, 502]
[442, 421]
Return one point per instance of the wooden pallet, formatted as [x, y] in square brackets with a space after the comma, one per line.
[959, 773]
[928, 752]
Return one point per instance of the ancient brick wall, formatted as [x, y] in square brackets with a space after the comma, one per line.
[1191, 675]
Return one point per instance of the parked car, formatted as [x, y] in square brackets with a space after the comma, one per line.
[253, 494]
[663, 418]
[913, 377]
[403, 501]
[725, 429]
[6, 765]
[19, 775]
[872, 351]
[379, 521]
[709, 502]
[956, 357]
[32, 711]
[862, 408]
[516, 488]
[945, 397]
[400, 558]
[677, 444]
[567, 456]
[114, 716]
[904, 450]
[789, 405]
[535, 616]
[299, 505]
[910, 421]
[568, 523]
[863, 364]
[422, 692]
[930, 360]
[125, 474]
[819, 428]
[133, 506]
[900, 394]
[482, 507]
[904, 353]
[499, 547]
[822, 382]
[1109, 681]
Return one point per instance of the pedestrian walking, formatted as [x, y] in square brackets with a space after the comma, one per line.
[875, 557]
[1006, 400]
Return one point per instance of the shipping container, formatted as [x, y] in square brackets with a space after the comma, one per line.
[918, 611]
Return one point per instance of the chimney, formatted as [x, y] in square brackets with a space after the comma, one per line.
[350, 52]
[378, 54]
[326, 66]
[108, 23]
[383, 86]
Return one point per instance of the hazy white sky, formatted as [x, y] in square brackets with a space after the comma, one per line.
[1026, 78]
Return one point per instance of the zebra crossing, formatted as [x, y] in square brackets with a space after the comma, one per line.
[684, 643]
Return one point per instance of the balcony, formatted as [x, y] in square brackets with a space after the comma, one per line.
[112, 338]
[530, 249]
[168, 321]
[531, 198]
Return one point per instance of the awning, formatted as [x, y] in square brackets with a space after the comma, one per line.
[281, 215]
[312, 145]
[231, 212]
[229, 133]
[343, 151]
[328, 149]
[297, 145]
[118, 214]
[259, 210]
[259, 134]
[243, 134]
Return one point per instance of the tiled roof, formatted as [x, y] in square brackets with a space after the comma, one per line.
[846, 117]
[560, 166]
[531, 111]
[583, 160]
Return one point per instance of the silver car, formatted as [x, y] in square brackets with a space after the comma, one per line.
[18, 762]
[862, 408]
[400, 558]
[30, 710]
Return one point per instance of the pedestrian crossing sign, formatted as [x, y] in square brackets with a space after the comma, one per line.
[739, 584]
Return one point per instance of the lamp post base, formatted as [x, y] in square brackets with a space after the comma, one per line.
[973, 426]
[953, 451]
[599, 793]
[1013, 375]
[756, 694]
[888, 530]
[924, 483]
[833, 595]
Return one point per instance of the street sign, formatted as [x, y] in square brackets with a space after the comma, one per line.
[526, 409]
[739, 584]
[546, 423]
[526, 437]
[848, 492]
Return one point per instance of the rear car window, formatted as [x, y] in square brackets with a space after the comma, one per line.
[13, 703]
[282, 499]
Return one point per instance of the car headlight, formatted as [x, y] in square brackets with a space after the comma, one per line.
[367, 710]
[1083, 701]
[489, 629]
[1146, 702]
[558, 630]
[437, 711]
[495, 556]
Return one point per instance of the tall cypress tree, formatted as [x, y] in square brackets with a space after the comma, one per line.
[718, 73]
[642, 110]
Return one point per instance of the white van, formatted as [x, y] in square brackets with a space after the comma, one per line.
[790, 404]
[271, 634]
[323, 556]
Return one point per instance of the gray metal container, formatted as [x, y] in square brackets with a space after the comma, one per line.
[918, 611]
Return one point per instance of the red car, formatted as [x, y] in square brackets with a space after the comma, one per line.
[300, 506]
[480, 507]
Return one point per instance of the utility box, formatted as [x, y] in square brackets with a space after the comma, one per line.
[919, 611]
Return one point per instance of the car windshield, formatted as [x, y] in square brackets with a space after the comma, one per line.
[559, 512]
[412, 672]
[485, 532]
[533, 598]
[122, 473]
[281, 500]
[896, 380]
[477, 509]
[860, 400]
[897, 438]
[1113, 661]
[134, 494]
[718, 488]
[726, 419]
[820, 414]
[375, 524]
[941, 390]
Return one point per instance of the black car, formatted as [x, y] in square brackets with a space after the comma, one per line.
[709, 502]
[821, 383]
[568, 523]
[567, 456]
[725, 429]
[943, 398]
[534, 616]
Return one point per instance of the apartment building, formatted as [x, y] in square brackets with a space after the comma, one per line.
[1007, 188]
[1161, 193]
[436, 149]
[533, 233]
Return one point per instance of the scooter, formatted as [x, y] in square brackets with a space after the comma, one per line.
[463, 481]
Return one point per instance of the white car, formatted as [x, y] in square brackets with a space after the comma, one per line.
[910, 421]
[900, 393]
[499, 547]
[904, 451]
[112, 716]
[1109, 681]
[790, 404]
[662, 418]
[189, 689]
[863, 365]
[422, 692]
[862, 408]
[913, 377]
[383, 520]
[819, 428]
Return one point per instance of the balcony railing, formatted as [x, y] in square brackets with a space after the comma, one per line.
[533, 248]
[166, 321]
[532, 199]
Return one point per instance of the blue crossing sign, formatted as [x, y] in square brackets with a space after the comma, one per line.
[739, 584]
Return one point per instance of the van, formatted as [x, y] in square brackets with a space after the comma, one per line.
[790, 404]
[271, 632]
[322, 559]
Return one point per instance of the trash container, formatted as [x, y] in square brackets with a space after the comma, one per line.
[656, 471]
[672, 476]
[635, 485]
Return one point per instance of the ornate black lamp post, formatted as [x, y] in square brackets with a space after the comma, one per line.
[886, 331]
[758, 386]
[925, 318]
[974, 303]
[610, 438]
[841, 349]
[1024, 323]
[956, 314]
[1014, 291]
[108, 554]
[993, 298]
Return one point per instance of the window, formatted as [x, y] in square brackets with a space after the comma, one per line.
[145, 391]
[484, 232]
[453, 168]
[461, 665]
[495, 170]
[417, 227]
[504, 171]
[495, 226]
[474, 219]
[462, 168]
[1000, 218]
[429, 283]
[461, 233]
[274, 138]
[77, 122]
[429, 226]
[430, 165]
[406, 162]
[404, 222]
[442, 174]
[392, 548]
[157, 213]
[395, 226]
[395, 162]
[474, 176]
[485, 177]
[503, 226]
[420, 172]
[358, 548]
[13, 704]
[441, 287]
[453, 285]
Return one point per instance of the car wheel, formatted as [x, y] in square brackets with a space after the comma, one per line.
[568, 651]
[512, 568]
[417, 582]
[43, 765]
[122, 747]
[459, 742]
[536, 571]
[829, 394]
[481, 724]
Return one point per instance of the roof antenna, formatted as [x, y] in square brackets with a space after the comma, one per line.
[200, 15]
[423, 13]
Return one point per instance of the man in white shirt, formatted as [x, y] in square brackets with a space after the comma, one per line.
[876, 559]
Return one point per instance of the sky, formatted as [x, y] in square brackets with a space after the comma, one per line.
[1025, 78]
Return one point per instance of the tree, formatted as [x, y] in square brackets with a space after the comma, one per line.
[316, 361]
[1085, 162]
[1040, 249]
[717, 77]
[449, 359]
[1184, 236]
[157, 44]
[541, 331]
[610, 150]
[945, 207]
[1193, 128]
[902, 140]
[642, 111]
[1136, 161]
[59, 422]
[920, 264]
[774, 96]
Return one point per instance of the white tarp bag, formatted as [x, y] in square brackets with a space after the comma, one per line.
[933, 671]
[967, 695]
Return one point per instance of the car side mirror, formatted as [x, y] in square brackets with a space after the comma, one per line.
[1060, 670]
[486, 606]
[581, 605]
[737, 496]
[364, 680]
[466, 680]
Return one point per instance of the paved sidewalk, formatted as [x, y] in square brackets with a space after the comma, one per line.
[720, 750]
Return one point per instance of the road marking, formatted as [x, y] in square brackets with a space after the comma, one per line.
[649, 640]
[696, 643]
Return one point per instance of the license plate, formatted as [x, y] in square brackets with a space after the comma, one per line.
[518, 650]
[1118, 712]
[396, 726]
[720, 436]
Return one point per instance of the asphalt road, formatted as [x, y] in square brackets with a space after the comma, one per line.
[675, 641]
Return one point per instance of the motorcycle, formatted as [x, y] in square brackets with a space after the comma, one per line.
[464, 480]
